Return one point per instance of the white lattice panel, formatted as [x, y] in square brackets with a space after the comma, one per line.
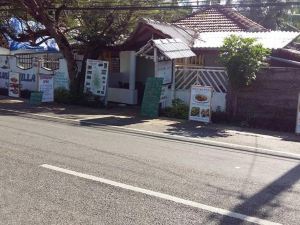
[216, 78]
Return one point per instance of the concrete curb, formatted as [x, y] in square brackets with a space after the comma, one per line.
[107, 127]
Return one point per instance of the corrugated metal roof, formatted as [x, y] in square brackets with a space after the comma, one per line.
[173, 48]
[270, 39]
[173, 31]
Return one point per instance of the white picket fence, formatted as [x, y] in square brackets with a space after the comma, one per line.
[217, 78]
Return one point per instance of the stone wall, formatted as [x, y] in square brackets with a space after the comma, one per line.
[271, 101]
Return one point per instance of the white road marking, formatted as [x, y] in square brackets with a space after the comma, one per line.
[237, 167]
[163, 196]
[178, 137]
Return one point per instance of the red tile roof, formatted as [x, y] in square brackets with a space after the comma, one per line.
[219, 19]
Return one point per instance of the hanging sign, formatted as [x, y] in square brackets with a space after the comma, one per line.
[47, 87]
[200, 103]
[96, 77]
[14, 85]
[164, 70]
[298, 117]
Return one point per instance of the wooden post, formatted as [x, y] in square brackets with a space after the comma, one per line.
[173, 88]
[155, 62]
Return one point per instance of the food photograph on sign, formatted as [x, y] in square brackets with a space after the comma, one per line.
[14, 85]
[200, 104]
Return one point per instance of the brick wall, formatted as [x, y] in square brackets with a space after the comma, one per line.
[271, 101]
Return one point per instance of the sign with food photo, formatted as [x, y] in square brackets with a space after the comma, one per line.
[298, 117]
[200, 103]
[14, 85]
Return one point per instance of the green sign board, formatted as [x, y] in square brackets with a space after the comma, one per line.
[36, 98]
[150, 104]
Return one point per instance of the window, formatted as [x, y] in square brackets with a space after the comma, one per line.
[50, 62]
[192, 61]
[24, 61]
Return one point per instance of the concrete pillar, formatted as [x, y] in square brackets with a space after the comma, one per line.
[128, 66]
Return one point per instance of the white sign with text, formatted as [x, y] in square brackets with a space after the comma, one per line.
[47, 87]
[164, 70]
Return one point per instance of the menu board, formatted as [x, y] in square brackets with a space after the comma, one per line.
[298, 117]
[14, 85]
[164, 70]
[200, 103]
[46, 86]
[152, 94]
[96, 77]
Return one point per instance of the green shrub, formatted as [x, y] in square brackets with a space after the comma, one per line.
[178, 110]
[243, 58]
[62, 95]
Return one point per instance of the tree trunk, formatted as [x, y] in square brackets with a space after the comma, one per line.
[40, 14]
[232, 102]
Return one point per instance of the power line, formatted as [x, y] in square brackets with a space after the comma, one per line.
[109, 5]
[170, 7]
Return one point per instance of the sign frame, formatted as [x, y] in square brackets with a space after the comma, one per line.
[201, 108]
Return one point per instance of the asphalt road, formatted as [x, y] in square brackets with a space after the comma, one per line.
[259, 186]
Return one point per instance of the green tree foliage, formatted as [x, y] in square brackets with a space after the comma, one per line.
[294, 17]
[243, 58]
[271, 17]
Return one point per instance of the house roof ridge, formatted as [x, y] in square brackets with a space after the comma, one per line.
[220, 18]
[233, 14]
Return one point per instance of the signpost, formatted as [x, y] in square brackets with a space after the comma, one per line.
[200, 103]
[96, 77]
[46, 86]
[14, 85]
[298, 117]
[152, 94]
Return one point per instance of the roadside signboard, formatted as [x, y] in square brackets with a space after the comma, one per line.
[200, 103]
[152, 95]
[298, 117]
[164, 70]
[46, 86]
[96, 77]
[14, 85]
[36, 98]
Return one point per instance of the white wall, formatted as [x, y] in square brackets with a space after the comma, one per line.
[128, 66]
[4, 51]
[28, 77]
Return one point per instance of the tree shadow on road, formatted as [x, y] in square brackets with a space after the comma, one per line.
[264, 197]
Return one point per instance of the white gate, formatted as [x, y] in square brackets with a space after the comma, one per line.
[217, 78]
